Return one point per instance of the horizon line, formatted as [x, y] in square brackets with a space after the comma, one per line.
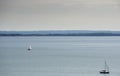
[61, 30]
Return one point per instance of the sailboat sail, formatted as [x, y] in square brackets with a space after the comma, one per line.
[29, 48]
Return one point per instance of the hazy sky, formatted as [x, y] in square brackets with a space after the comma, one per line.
[59, 14]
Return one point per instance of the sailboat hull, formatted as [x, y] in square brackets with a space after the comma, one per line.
[104, 72]
[29, 49]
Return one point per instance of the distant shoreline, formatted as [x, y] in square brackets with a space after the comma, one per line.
[57, 35]
[60, 33]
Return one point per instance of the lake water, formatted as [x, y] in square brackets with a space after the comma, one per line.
[59, 56]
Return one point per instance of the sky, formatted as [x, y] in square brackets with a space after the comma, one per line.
[59, 14]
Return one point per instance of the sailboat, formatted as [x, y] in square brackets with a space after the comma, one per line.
[29, 48]
[106, 69]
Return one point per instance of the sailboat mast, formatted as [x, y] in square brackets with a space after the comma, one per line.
[106, 67]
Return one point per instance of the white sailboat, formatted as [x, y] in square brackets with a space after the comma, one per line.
[29, 48]
[106, 69]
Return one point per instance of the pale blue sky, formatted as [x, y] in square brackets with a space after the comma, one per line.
[59, 14]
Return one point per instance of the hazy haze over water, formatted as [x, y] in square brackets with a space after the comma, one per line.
[60, 14]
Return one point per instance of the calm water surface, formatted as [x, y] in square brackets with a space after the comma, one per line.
[59, 56]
